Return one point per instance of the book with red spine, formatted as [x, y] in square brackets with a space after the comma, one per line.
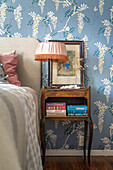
[55, 106]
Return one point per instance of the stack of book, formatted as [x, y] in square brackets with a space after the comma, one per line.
[74, 110]
[55, 109]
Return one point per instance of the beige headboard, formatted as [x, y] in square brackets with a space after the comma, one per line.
[28, 70]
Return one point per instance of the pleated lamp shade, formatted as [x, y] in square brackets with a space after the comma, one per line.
[55, 51]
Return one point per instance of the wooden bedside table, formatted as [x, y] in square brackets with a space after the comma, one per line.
[70, 96]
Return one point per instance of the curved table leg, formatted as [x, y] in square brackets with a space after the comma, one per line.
[90, 138]
[42, 139]
[85, 138]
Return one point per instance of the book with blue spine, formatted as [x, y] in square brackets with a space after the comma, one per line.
[76, 107]
[77, 110]
[77, 114]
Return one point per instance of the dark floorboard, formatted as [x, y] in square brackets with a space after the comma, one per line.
[77, 163]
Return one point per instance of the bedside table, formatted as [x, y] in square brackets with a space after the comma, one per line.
[73, 97]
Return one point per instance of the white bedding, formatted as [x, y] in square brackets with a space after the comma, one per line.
[19, 129]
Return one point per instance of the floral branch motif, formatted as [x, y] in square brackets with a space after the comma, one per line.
[107, 142]
[107, 89]
[101, 111]
[35, 23]
[51, 138]
[17, 14]
[101, 4]
[51, 21]
[100, 53]
[79, 134]
[69, 131]
[107, 26]
[3, 8]
[81, 17]
[41, 3]
[71, 12]
[65, 3]
[16, 34]
[108, 30]
[48, 20]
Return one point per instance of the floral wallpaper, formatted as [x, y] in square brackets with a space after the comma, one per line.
[90, 21]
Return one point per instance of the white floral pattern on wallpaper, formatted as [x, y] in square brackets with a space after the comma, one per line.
[36, 19]
[101, 111]
[50, 20]
[108, 141]
[107, 83]
[17, 34]
[3, 8]
[50, 138]
[108, 24]
[95, 68]
[95, 9]
[41, 3]
[101, 53]
[17, 15]
[101, 5]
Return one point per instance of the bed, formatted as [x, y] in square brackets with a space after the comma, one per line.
[20, 109]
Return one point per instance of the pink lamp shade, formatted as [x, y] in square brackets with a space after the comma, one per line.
[55, 51]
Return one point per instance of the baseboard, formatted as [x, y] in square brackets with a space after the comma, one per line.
[73, 152]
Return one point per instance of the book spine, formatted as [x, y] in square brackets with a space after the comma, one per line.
[77, 107]
[68, 108]
[56, 115]
[55, 104]
[76, 111]
[77, 114]
[56, 108]
[55, 111]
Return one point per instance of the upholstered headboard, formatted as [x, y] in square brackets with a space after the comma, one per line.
[28, 70]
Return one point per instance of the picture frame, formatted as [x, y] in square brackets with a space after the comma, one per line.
[70, 72]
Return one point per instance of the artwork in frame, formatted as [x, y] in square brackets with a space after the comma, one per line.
[70, 72]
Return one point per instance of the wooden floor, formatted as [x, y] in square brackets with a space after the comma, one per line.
[77, 163]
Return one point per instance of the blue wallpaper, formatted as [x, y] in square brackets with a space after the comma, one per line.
[91, 21]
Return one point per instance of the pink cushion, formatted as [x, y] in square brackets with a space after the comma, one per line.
[10, 62]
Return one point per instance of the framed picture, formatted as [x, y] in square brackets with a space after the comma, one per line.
[70, 72]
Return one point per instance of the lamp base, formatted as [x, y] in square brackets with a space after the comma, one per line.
[50, 63]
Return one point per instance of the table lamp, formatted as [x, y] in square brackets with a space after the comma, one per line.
[51, 52]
